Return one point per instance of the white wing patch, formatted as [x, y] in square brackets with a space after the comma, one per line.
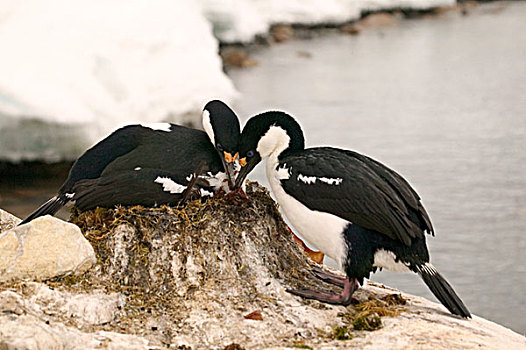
[170, 185]
[309, 180]
[138, 168]
[283, 173]
[157, 126]
[331, 181]
[69, 195]
[387, 259]
[216, 181]
[205, 193]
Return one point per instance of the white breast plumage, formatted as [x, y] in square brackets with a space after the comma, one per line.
[322, 230]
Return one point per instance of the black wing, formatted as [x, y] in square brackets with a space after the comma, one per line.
[146, 187]
[356, 188]
[93, 162]
[179, 150]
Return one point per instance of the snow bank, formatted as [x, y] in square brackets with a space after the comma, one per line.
[241, 20]
[72, 71]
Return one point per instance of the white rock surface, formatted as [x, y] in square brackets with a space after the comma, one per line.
[26, 321]
[44, 248]
[194, 283]
[28, 332]
[73, 71]
[7, 221]
[428, 325]
[42, 318]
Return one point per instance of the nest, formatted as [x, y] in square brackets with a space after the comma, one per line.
[212, 273]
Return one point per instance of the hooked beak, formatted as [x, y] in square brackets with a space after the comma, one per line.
[229, 164]
[246, 168]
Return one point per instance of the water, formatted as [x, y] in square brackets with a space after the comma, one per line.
[442, 101]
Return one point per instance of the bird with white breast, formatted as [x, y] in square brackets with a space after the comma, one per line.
[354, 209]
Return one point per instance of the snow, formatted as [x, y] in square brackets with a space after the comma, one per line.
[242, 20]
[83, 69]
[71, 72]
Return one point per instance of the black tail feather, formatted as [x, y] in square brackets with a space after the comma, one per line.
[442, 290]
[49, 208]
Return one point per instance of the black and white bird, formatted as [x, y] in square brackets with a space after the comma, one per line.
[354, 209]
[152, 164]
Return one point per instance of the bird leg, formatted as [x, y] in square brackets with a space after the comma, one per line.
[219, 193]
[237, 196]
[193, 182]
[329, 277]
[344, 298]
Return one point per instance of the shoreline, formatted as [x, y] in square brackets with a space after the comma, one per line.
[237, 54]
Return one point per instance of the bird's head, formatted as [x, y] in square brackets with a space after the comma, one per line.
[269, 134]
[222, 127]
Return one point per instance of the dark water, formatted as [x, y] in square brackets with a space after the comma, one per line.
[442, 101]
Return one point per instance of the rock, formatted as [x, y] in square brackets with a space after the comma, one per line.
[304, 54]
[29, 332]
[44, 248]
[381, 19]
[10, 302]
[93, 308]
[7, 221]
[352, 29]
[214, 275]
[237, 57]
[282, 32]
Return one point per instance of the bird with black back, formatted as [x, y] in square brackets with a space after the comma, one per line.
[351, 207]
[153, 164]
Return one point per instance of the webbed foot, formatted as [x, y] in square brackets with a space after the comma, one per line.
[344, 298]
[329, 277]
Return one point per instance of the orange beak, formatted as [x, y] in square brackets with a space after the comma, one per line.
[229, 158]
[243, 161]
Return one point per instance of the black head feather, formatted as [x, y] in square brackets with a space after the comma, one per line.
[225, 126]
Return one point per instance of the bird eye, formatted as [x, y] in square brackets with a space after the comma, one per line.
[219, 147]
[250, 154]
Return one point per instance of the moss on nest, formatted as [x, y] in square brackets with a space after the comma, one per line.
[366, 315]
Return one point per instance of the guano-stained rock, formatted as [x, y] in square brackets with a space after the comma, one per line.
[214, 276]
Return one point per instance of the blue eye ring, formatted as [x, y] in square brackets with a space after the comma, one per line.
[219, 147]
[250, 154]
